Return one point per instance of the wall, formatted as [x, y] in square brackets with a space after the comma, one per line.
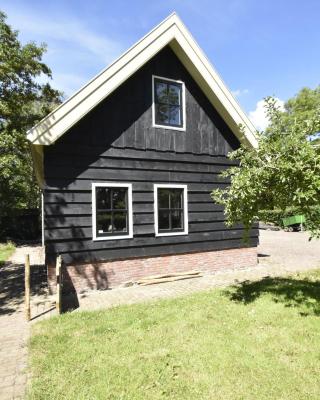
[116, 142]
[110, 274]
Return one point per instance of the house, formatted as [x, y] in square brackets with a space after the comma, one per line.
[127, 164]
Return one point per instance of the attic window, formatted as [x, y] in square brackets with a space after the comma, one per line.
[168, 103]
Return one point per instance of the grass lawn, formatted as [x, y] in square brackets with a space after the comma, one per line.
[256, 341]
[6, 250]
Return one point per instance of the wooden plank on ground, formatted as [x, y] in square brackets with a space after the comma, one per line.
[171, 279]
[169, 275]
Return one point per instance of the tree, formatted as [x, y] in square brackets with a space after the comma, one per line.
[284, 171]
[304, 107]
[23, 102]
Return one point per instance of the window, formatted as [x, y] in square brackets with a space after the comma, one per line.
[111, 211]
[168, 103]
[171, 210]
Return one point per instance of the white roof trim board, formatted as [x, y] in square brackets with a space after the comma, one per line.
[171, 32]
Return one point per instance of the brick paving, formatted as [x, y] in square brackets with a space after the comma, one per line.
[14, 332]
[14, 329]
[280, 253]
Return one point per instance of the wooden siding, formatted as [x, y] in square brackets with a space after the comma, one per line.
[116, 142]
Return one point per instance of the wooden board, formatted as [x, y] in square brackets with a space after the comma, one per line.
[172, 279]
[148, 278]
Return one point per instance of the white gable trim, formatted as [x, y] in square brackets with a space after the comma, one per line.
[170, 31]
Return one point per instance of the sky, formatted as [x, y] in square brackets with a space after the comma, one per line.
[259, 47]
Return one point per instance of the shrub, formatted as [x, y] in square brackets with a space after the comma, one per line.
[276, 216]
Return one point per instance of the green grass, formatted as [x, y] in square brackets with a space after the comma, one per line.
[6, 250]
[258, 340]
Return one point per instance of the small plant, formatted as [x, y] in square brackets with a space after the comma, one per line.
[6, 250]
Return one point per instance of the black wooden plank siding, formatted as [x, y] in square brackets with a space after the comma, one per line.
[91, 153]
[80, 220]
[116, 142]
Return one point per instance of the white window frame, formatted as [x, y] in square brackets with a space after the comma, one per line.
[185, 209]
[176, 128]
[128, 186]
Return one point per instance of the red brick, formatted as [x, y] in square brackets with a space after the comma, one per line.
[110, 274]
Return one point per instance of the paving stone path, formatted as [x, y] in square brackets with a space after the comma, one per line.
[14, 329]
[280, 253]
[14, 332]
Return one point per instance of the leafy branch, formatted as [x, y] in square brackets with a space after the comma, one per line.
[283, 171]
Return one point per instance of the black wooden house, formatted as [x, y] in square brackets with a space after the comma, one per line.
[127, 164]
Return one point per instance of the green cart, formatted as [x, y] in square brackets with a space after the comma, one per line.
[294, 223]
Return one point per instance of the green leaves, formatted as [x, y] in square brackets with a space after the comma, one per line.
[23, 102]
[284, 171]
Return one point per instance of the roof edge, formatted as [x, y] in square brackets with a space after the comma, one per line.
[171, 30]
[30, 132]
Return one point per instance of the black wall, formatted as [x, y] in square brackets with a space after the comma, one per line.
[116, 142]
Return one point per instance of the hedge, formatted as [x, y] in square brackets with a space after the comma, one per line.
[275, 216]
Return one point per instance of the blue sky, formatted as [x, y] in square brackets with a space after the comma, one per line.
[260, 48]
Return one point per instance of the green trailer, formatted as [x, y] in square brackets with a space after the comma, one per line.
[294, 223]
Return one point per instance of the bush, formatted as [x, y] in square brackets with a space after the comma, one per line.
[275, 216]
[21, 225]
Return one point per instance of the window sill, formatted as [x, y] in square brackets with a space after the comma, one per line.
[174, 128]
[112, 237]
[172, 234]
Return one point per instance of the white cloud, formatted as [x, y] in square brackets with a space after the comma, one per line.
[76, 51]
[240, 92]
[259, 117]
[70, 30]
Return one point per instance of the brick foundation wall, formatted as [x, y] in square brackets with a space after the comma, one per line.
[109, 274]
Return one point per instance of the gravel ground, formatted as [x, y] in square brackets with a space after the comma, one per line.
[35, 252]
[290, 251]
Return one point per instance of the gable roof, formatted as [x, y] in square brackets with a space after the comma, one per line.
[170, 32]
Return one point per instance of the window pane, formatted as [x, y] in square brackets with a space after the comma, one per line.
[163, 198]
[174, 94]
[119, 198]
[103, 197]
[161, 92]
[176, 219]
[120, 222]
[176, 198]
[163, 220]
[170, 209]
[168, 103]
[162, 114]
[174, 115]
[104, 224]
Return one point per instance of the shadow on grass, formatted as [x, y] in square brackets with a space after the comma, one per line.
[303, 294]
